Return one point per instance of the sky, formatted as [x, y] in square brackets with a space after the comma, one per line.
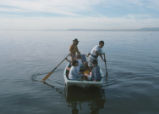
[78, 14]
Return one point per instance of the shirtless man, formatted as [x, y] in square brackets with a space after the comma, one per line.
[74, 49]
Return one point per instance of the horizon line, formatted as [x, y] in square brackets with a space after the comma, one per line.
[81, 29]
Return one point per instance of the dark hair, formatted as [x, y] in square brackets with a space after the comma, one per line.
[101, 42]
[75, 40]
[74, 62]
[94, 62]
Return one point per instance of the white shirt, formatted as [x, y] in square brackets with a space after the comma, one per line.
[74, 73]
[96, 51]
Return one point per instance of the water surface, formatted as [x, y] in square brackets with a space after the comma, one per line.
[26, 56]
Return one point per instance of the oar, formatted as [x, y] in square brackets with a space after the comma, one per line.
[53, 70]
[106, 67]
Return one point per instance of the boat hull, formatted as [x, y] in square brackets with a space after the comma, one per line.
[83, 83]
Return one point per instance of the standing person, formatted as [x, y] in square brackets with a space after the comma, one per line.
[74, 49]
[95, 52]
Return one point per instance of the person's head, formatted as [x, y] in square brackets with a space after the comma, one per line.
[74, 63]
[94, 63]
[101, 44]
[75, 41]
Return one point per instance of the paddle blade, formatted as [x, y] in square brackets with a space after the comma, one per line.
[47, 76]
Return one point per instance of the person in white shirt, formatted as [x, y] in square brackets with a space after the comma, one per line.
[95, 52]
[74, 71]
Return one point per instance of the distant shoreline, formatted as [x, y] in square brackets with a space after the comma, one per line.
[115, 30]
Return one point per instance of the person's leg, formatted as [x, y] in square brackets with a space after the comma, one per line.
[73, 57]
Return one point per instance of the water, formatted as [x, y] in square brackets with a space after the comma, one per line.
[27, 56]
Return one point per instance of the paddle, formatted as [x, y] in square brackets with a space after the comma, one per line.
[53, 70]
[106, 67]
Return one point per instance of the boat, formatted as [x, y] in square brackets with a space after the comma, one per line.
[82, 83]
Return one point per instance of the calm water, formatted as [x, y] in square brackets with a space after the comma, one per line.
[27, 56]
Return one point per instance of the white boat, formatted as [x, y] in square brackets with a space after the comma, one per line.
[83, 83]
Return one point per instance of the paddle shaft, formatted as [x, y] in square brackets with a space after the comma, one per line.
[53, 70]
[105, 65]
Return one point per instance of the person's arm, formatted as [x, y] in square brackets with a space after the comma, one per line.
[102, 57]
[77, 50]
[101, 54]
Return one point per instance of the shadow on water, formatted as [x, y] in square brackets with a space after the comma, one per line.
[92, 99]
[37, 78]
[52, 86]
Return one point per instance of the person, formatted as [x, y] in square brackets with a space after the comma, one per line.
[95, 72]
[74, 49]
[80, 62]
[83, 76]
[74, 71]
[95, 52]
[87, 71]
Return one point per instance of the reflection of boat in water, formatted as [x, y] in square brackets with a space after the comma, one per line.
[82, 83]
[85, 100]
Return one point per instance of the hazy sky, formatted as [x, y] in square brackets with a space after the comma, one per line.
[67, 14]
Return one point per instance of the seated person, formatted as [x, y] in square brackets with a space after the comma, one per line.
[74, 71]
[78, 59]
[87, 71]
[95, 73]
[86, 68]
[83, 76]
